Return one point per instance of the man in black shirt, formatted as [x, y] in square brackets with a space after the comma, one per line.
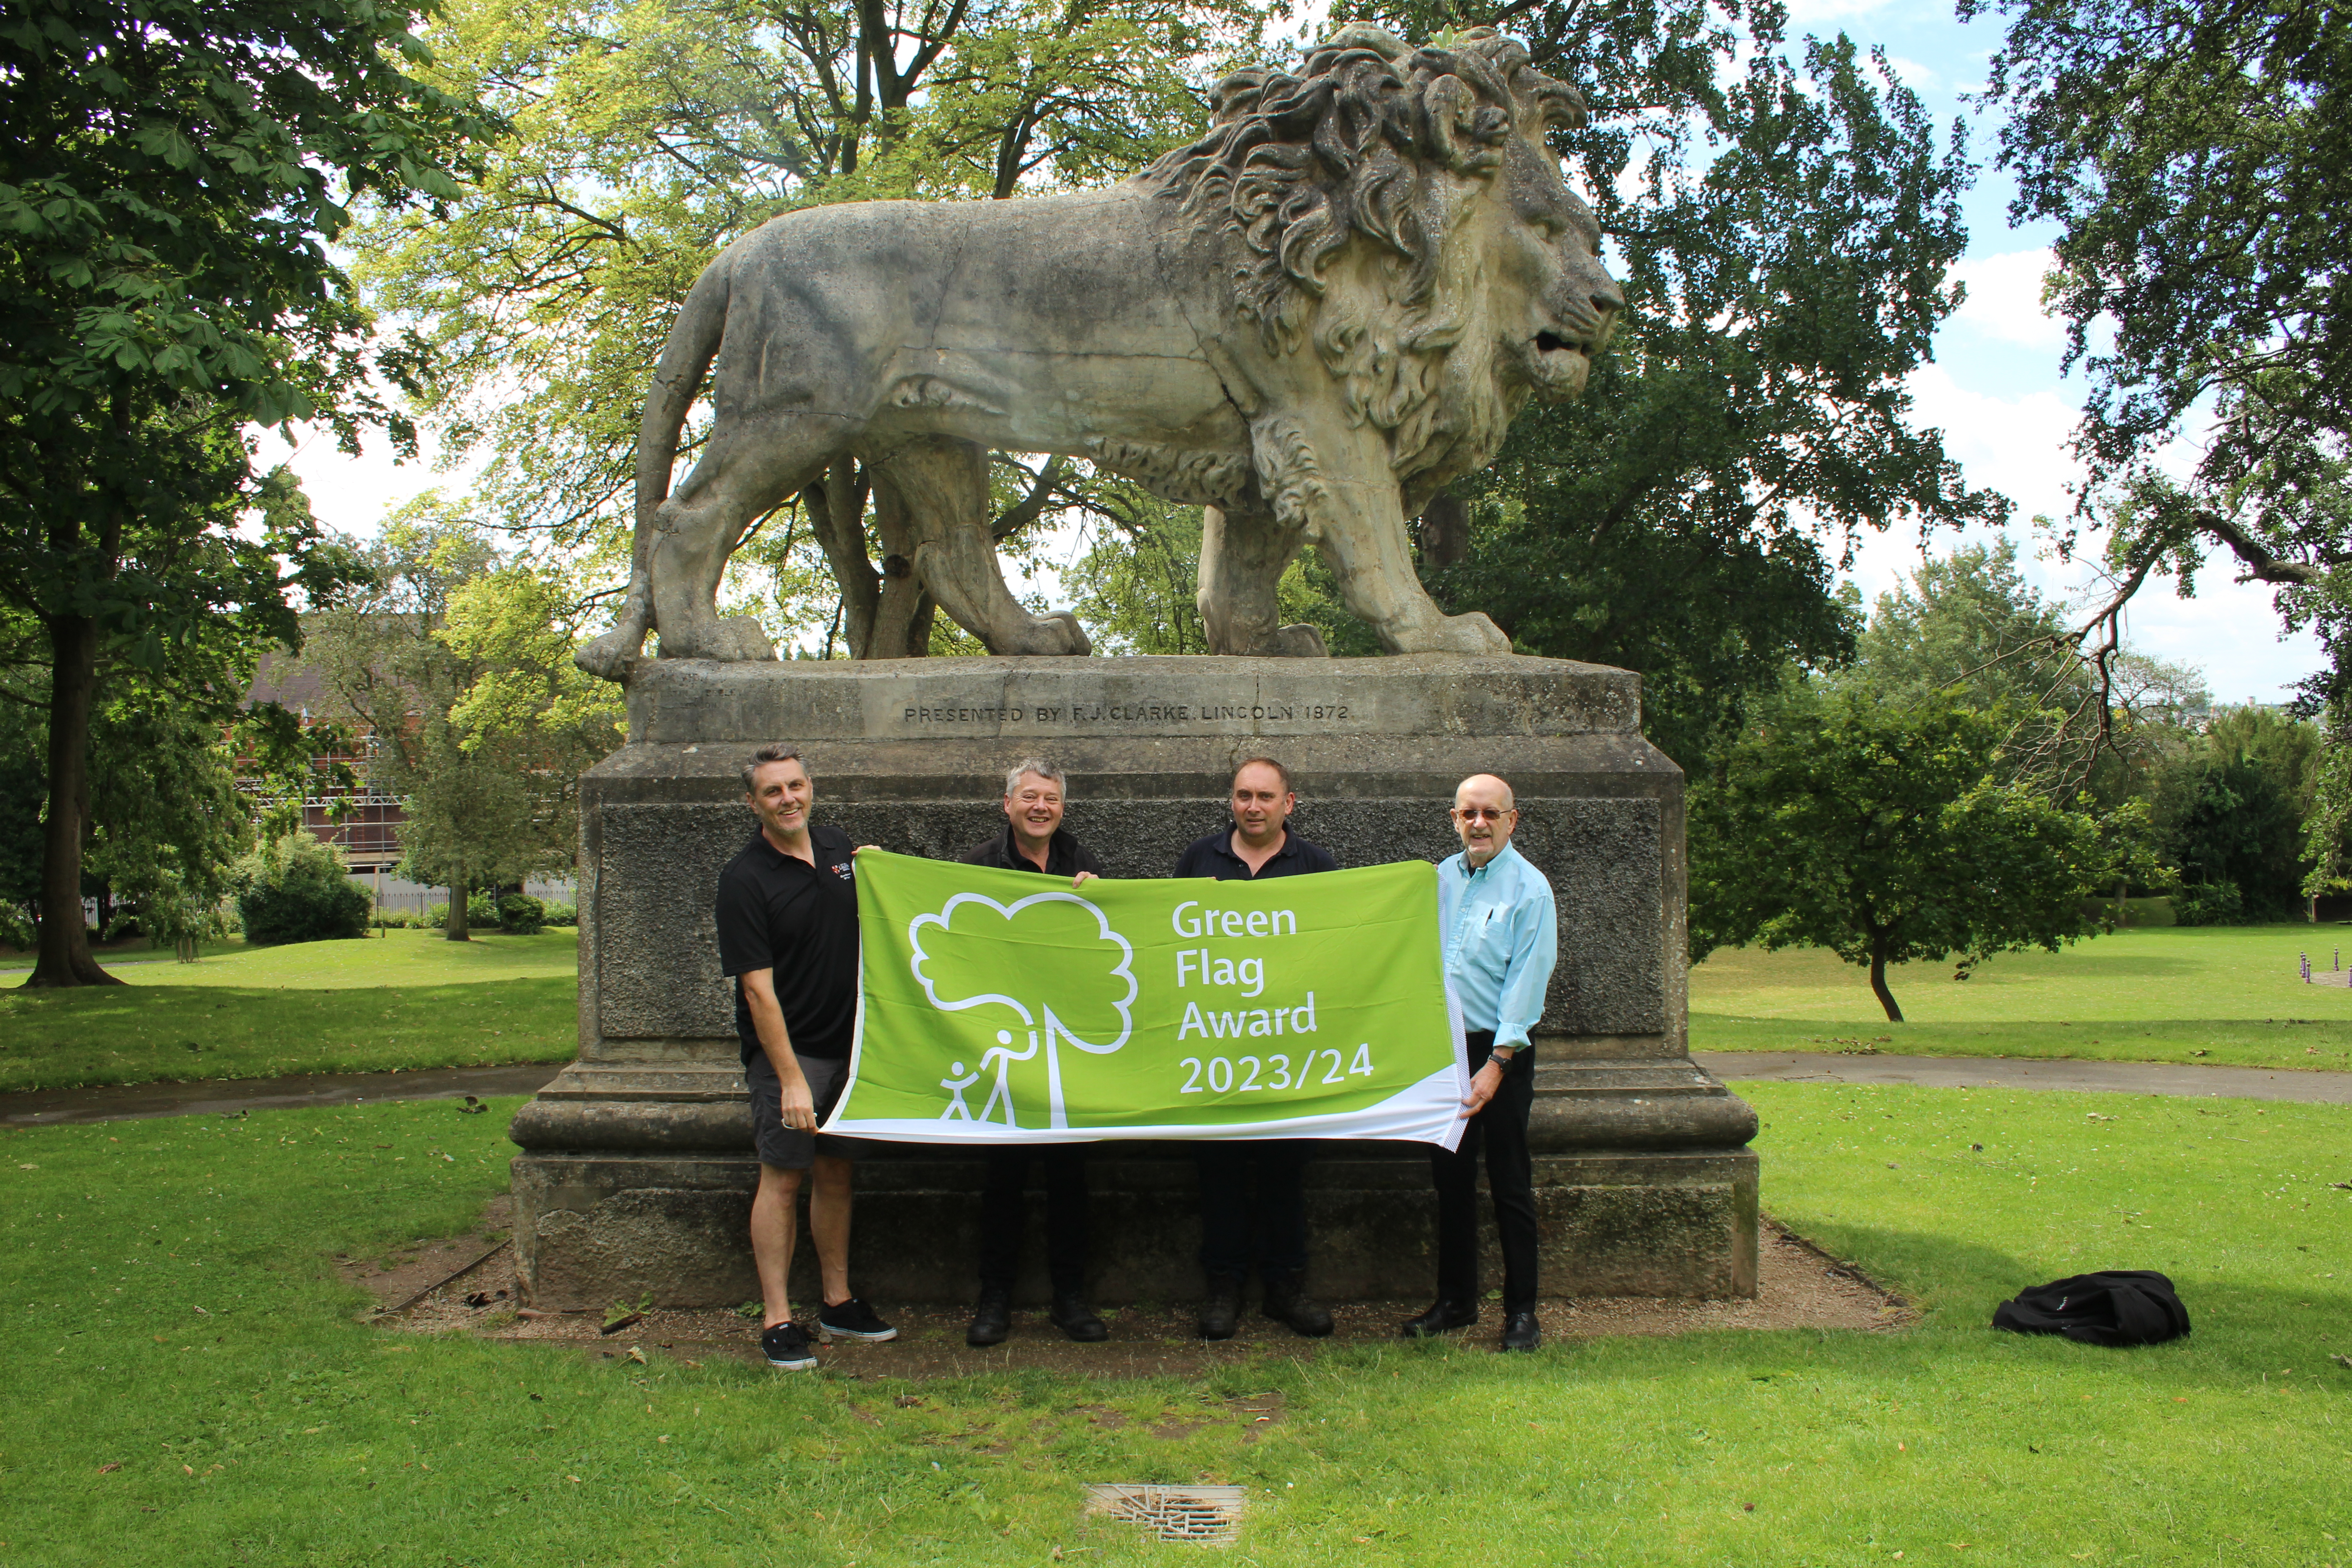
[1255, 845]
[787, 916]
[1033, 841]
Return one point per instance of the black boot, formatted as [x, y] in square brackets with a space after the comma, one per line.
[1220, 1311]
[1443, 1317]
[1521, 1332]
[1287, 1305]
[992, 1319]
[1071, 1316]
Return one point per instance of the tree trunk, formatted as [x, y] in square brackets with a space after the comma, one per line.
[1878, 979]
[901, 627]
[456, 928]
[65, 956]
[836, 514]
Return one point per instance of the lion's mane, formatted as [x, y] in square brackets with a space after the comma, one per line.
[1299, 168]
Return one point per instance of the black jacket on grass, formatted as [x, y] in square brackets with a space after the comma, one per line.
[2121, 1306]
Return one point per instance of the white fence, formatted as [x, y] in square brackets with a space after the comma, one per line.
[397, 895]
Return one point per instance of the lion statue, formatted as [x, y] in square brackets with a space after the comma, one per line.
[1306, 322]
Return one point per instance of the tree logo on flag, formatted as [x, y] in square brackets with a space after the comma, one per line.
[962, 955]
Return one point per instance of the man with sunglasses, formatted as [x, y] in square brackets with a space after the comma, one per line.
[1500, 930]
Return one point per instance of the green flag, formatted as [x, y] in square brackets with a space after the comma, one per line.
[1002, 1007]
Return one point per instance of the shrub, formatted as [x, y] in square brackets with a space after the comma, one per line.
[521, 914]
[561, 914]
[293, 889]
[479, 911]
[2208, 904]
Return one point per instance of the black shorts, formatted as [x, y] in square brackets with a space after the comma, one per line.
[788, 1148]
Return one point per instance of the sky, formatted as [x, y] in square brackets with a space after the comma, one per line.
[1993, 389]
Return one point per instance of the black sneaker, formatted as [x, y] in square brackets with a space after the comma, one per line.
[853, 1319]
[785, 1346]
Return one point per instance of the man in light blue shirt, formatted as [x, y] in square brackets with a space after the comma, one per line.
[1501, 934]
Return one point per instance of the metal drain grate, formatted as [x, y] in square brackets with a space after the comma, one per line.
[1206, 1515]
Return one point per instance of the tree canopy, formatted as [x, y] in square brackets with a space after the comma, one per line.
[170, 176]
[458, 664]
[1879, 829]
[2198, 160]
[1967, 625]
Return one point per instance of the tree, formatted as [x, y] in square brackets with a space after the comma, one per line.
[163, 816]
[1781, 220]
[294, 888]
[1880, 830]
[962, 955]
[170, 174]
[648, 139]
[1968, 626]
[2229, 813]
[459, 664]
[2197, 159]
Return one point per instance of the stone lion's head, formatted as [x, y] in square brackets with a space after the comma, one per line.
[1398, 210]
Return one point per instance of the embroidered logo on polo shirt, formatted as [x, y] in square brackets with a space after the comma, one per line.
[840, 870]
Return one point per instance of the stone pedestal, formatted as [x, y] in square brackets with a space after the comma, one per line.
[636, 1171]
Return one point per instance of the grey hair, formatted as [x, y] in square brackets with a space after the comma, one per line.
[1039, 765]
[773, 752]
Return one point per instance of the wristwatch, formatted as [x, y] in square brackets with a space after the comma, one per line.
[1502, 1060]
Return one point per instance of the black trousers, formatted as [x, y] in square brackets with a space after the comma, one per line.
[1501, 1128]
[1004, 1213]
[1267, 1229]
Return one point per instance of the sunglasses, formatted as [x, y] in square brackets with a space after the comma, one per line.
[1485, 814]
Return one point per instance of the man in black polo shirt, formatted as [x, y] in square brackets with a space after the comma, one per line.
[787, 915]
[1033, 841]
[1255, 844]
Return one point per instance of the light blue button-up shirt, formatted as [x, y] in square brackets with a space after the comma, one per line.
[1502, 937]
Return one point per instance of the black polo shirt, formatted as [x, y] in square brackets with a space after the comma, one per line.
[1064, 856]
[1215, 857]
[778, 913]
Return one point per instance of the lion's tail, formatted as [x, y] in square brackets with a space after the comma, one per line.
[693, 343]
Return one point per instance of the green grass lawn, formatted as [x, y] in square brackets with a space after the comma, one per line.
[2224, 995]
[273, 1428]
[406, 999]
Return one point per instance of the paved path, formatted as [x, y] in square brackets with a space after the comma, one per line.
[2015, 1072]
[134, 1101]
[129, 1102]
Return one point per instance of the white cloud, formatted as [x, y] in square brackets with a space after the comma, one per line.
[2015, 445]
[1911, 73]
[1808, 13]
[2004, 299]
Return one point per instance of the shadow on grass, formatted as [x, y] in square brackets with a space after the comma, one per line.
[2240, 1330]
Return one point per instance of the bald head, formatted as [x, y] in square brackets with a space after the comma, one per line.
[1485, 815]
[1489, 787]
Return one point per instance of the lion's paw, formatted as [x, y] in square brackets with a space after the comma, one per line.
[1473, 633]
[607, 657]
[738, 639]
[1057, 633]
[1299, 640]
